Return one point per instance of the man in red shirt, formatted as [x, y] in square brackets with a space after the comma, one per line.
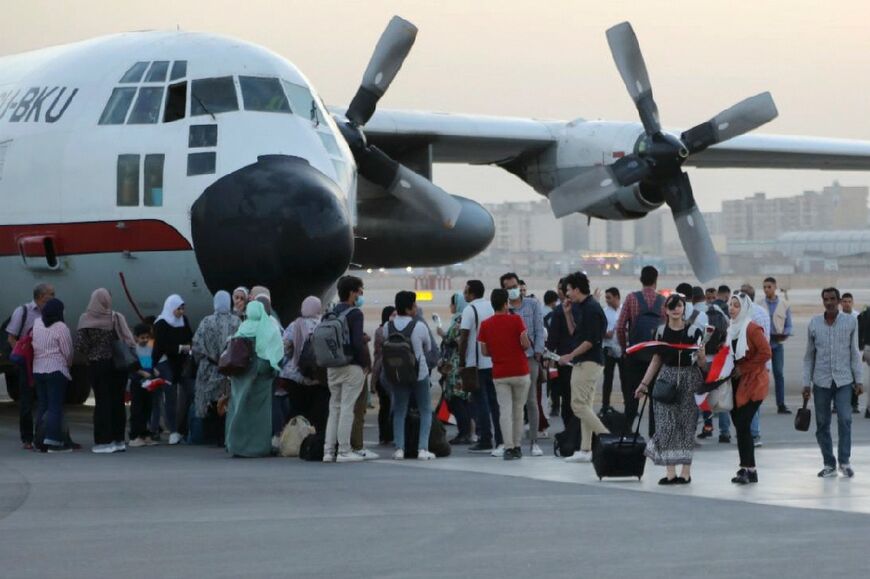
[503, 337]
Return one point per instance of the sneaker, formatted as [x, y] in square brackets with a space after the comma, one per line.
[725, 438]
[57, 448]
[742, 477]
[349, 457]
[424, 454]
[518, 452]
[536, 450]
[783, 409]
[580, 456]
[367, 454]
[460, 440]
[103, 448]
[544, 434]
[151, 441]
[174, 438]
[119, 446]
[756, 440]
[510, 454]
[328, 457]
[138, 442]
[828, 472]
[399, 454]
[845, 470]
[497, 452]
[481, 447]
[706, 432]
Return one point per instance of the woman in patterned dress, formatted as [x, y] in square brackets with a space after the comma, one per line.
[457, 398]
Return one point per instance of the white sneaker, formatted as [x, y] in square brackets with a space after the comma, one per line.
[536, 450]
[579, 456]
[349, 457]
[424, 454]
[137, 442]
[544, 434]
[497, 452]
[174, 438]
[118, 446]
[399, 454]
[152, 441]
[367, 454]
[103, 448]
[328, 457]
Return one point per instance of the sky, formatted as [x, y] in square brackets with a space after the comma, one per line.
[543, 59]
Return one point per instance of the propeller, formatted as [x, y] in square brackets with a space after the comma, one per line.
[659, 156]
[390, 52]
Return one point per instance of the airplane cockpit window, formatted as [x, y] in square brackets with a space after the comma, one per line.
[146, 110]
[128, 180]
[118, 105]
[135, 72]
[301, 100]
[179, 70]
[263, 94]
[157, 72]
[212, 96]
[176, 101]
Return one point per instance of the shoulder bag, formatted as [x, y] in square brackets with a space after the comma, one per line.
[236, 359]
[123, 356]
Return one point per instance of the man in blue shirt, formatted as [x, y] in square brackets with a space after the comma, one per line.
[780, 330]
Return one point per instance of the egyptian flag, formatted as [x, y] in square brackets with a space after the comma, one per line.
[720, 370]
[658, 347]
[154, 384]
[443, 413]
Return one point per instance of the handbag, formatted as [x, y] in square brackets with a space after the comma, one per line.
[124, 357]
[802, 418]
[664, 392]
[236, 358]
[468, 376]
[721, 399]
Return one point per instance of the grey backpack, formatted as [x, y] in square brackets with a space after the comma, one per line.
[331, 340]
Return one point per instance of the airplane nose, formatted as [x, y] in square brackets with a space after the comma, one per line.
[278, 222]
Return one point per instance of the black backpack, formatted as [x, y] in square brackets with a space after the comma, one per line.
[307, 360]
[643, 328]
[719, 321]
[400, 364]
[312, 447]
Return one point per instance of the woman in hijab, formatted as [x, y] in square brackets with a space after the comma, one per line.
[172, 339]
[98, 328]
[385, 420]
[751, 352]
[307, 392]
[209, 342]
[457, 399]
[249, 417]
[240, 301]
[52, 358]
[674, 440]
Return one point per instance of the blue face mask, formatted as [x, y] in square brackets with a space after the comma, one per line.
[514, 293]
[360, 300]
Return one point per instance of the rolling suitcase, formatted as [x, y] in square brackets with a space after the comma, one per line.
[614, 421]
[615, 455]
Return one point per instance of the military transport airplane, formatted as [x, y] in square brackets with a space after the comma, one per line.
[174, 162]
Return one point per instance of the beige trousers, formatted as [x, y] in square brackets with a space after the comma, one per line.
[512, 394]
[584, 379]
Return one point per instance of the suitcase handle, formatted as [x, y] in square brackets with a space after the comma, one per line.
[639, 418]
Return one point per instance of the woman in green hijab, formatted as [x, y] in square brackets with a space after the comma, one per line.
[457, 399]
[249, 416]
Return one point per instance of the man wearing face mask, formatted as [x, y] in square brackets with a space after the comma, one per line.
[529, 309]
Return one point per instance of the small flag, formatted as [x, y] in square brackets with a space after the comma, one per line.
[721, 367]
[443, 412]
[153, 384]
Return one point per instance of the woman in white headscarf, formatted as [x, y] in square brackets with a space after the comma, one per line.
[751, 353]
[209, 342]
[172, 339]
[249, 416]
[240, 301]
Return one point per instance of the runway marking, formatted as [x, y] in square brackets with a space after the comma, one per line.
[787, 477]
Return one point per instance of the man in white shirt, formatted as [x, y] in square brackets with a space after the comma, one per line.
[485, 405]
[612, 351]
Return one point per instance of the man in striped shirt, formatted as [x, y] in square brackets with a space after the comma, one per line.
[832, 370]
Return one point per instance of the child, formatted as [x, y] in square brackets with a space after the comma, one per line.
[140, 408]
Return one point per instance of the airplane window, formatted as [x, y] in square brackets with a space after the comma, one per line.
[146, 111]
[202, 136]
[128, 180]
[135, 72]
[153, 173]
[176, 100]
[179, 70]
[301, 100]
[263, 94]
[118, 105]
[329, 143]
[200, 164]
[212, 96]
[157, 72]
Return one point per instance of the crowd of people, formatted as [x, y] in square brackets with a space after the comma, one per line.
[501, 361]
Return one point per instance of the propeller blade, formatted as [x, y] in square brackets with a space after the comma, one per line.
[409, 187]
[392, 49]
[743, 117]
[596, 184]
[694, 235]
[629, 61]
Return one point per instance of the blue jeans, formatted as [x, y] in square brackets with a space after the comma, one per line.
[777, 361]
[50, 393]
[486, 408]
[822, 398]
[401, 400]
[166, 398]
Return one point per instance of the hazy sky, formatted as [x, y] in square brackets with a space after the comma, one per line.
[545, 59]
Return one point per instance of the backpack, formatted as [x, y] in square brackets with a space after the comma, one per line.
[400, 364]
[719, 321]
[644, 326]
[312, 447]
[307, 360]
[331, 340]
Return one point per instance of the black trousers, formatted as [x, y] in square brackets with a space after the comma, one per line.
[631, 376]
[460, 409]
[742, 418]
[183, 402]
[564, 388]
[312, 402]
[141, 402]
[611, 364]
[385, 420]
[110, 417]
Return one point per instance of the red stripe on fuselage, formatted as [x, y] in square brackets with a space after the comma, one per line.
[95, 237]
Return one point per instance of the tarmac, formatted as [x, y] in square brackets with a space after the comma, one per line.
[187, 511]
